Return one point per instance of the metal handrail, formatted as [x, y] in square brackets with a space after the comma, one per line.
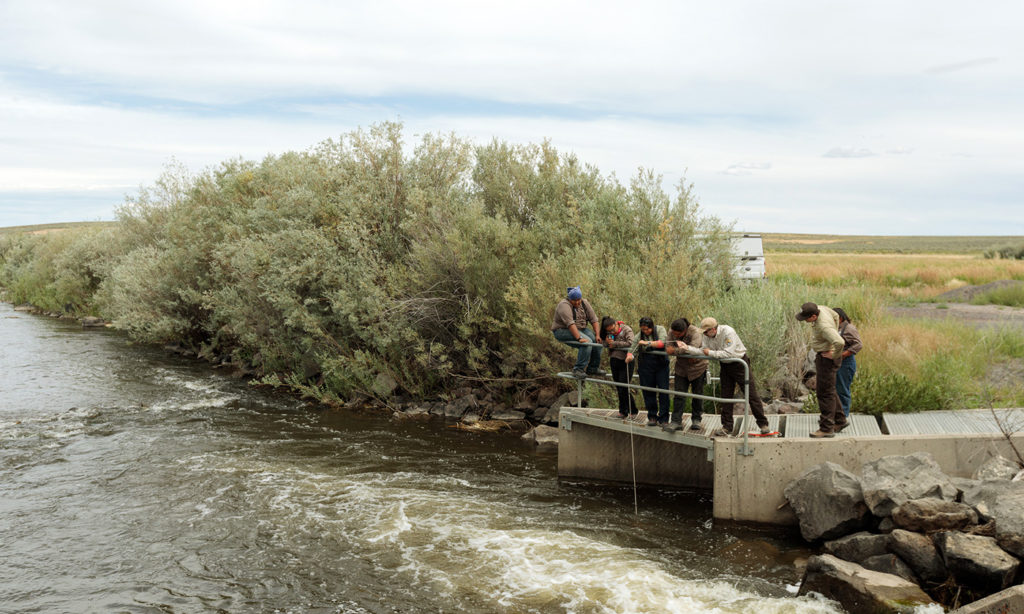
[745, 450]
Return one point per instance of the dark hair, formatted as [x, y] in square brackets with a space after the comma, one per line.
[680, 325]
[842, 314]
[645, 321]
[606, 322]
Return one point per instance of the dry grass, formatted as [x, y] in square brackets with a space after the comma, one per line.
[917, 276]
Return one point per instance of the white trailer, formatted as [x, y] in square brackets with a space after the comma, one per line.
[749, 253]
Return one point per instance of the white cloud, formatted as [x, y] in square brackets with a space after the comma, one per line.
[103, 94]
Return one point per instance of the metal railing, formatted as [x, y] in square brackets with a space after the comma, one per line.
[745, 450]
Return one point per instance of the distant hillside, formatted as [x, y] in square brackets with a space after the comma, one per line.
[779, 242]
[45, 228]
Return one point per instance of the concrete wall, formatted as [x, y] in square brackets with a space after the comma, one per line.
[595, 453]
[749, 488]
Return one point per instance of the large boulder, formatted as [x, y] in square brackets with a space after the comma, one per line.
[891, 481]
[891, 564]
[1001, 502]
[1003, 602]
[859, 589]
[461, 405]
[931, 515]
[827, 501]
[919, 553]
[997, 468]
[858, 547]
[977, 561]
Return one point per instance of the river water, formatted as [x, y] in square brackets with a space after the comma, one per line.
[135, 481]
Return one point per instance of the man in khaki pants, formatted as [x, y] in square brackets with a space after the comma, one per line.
[828, 345]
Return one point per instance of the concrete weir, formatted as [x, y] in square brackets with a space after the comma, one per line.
[748, 477]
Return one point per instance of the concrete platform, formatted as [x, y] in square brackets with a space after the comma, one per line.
[748, 478]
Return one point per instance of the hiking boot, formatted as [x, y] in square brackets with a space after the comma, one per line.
[695, 426]
[652, 422]
[840, 427]
[819, 434]
[598, 373]
[765, 430]
[621, 416]
[579, 374]
[720, 433]
[672, 427]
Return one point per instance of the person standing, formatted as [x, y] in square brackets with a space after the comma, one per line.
[619, 338]
[653, 370]
[721, 341]
[848, 368]
[569, 326]
[691, 373]
[828, 345]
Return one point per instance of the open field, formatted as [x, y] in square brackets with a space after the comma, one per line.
[46, 228]
[900, 276]
[809, 243]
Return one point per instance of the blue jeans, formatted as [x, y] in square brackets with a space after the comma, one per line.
[844, 377]
[588, 357]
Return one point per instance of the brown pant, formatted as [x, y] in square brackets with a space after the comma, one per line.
[731, 378]
[832, 416]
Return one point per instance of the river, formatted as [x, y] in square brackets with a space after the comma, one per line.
[136, 481]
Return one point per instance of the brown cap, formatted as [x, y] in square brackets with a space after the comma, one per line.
[807, 310]
[707, 324]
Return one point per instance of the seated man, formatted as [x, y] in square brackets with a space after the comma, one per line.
[570, 327]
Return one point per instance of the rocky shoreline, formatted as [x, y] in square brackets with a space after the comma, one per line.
[903, 534]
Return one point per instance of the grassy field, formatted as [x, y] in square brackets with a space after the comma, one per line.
[900, 276]
[907, 363]
[845, 244]
[45, 228]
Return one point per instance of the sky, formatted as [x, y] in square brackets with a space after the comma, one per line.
[894, 118]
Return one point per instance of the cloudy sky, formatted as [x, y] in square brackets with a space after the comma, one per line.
[789, 116]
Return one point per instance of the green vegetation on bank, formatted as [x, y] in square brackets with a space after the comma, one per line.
[362, 266]
[359, 267]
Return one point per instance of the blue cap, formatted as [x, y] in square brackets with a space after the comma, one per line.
[575, 294]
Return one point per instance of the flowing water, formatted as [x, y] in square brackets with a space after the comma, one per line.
[134, 481]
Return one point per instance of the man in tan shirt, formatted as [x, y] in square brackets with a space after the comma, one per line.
[827, 344]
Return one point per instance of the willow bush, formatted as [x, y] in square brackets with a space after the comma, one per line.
[362, 265]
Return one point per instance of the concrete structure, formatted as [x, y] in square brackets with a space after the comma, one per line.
[595, 444]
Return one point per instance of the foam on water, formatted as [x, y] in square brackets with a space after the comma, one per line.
[468, 546]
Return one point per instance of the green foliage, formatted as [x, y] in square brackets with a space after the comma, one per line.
[1008, 252]
[359, 267]
[1010, 295]
[895, 392]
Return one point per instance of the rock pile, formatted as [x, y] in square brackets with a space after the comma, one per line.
[903, 533]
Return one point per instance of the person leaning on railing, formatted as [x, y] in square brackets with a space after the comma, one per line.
[691, 373]
[828, 345]
[618, 338]
[569, 326]
[653, 370]
[721, 341]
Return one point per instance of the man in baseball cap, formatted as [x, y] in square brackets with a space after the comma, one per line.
[828, 345]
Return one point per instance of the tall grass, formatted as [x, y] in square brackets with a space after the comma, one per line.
[1011, 296]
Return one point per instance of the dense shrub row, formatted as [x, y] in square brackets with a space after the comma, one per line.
[359, 266]
[1007, 252]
